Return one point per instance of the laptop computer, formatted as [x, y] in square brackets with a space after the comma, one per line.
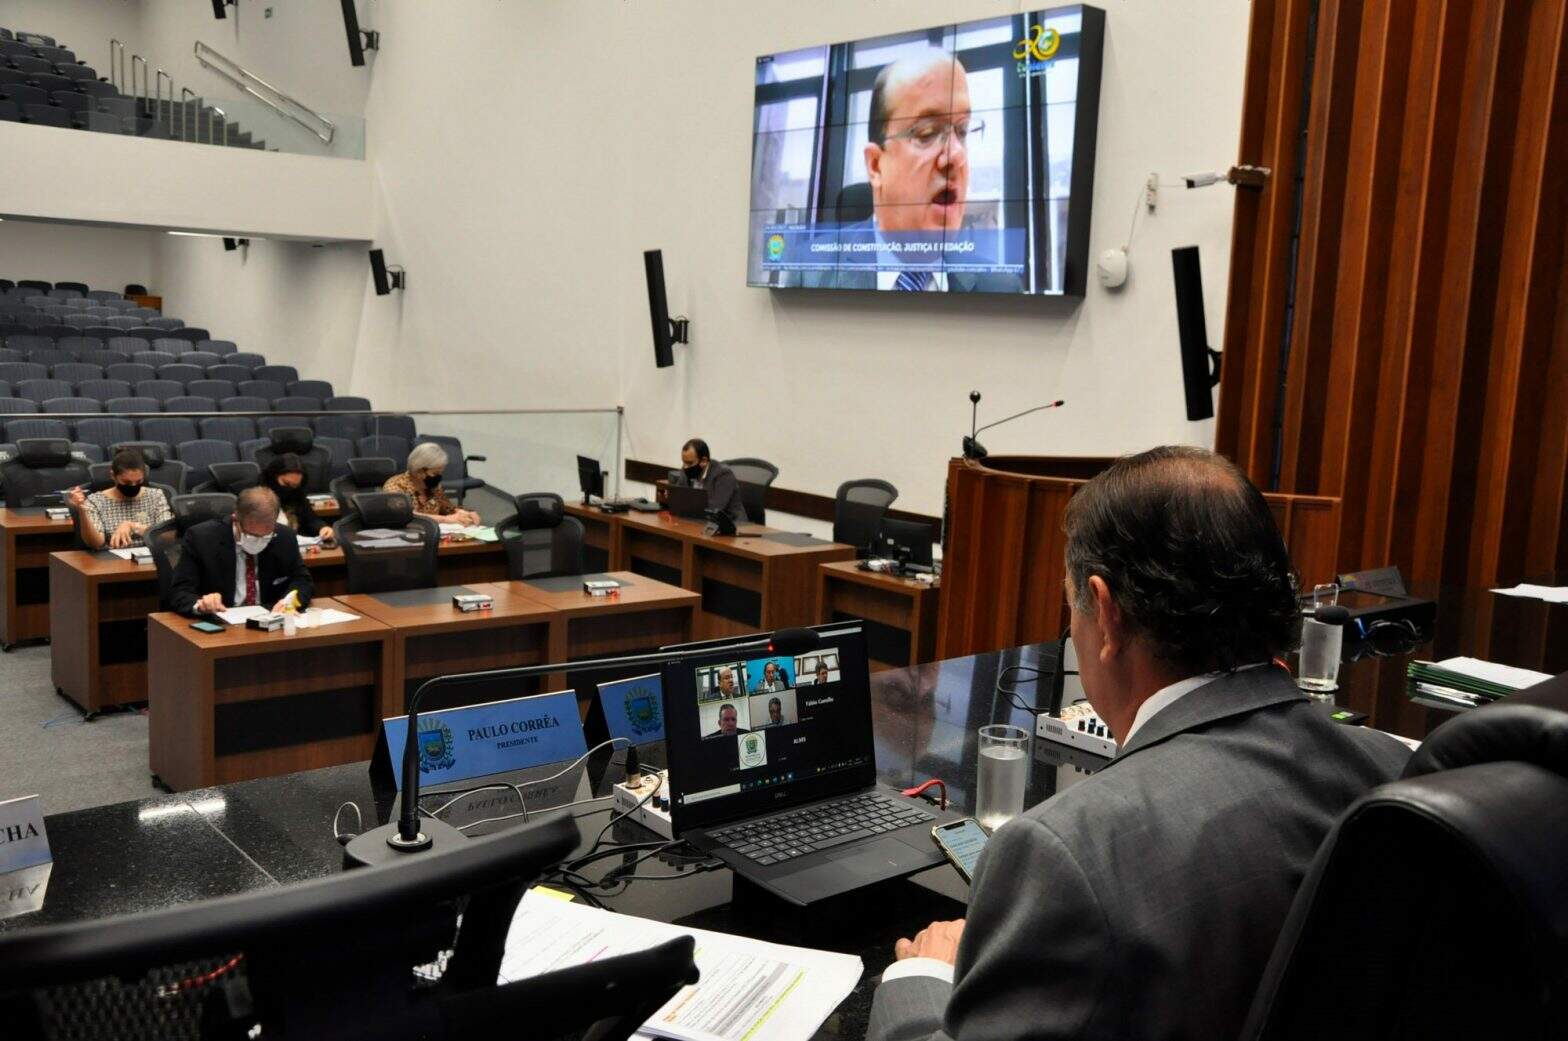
[773, 769]
[689, 502]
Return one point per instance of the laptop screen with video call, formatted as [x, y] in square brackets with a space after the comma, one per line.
[748, 731]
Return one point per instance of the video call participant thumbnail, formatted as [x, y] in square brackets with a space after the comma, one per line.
[771, 710]
[723, 720]
[772, 674]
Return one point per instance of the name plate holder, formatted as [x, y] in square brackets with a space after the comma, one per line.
[25, 860]
[459, 744]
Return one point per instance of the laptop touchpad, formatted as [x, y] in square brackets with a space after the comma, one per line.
[884, 858]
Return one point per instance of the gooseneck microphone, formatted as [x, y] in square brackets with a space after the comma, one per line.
[408, 834]
[973, 449]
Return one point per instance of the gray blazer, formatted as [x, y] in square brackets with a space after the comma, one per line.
[1143, 902]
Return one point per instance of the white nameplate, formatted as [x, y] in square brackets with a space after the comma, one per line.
[23, 841]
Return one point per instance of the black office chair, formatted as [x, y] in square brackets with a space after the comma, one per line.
[301, 441]
[364, 475]
[1435, 909]
[754, 477]
[42, 468]
[858, 509]
[855, 203]
[540, 539]
[232, 478]
[164, 540]
[456, 479]
[386, 569]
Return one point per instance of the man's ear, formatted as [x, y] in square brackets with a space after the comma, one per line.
[1108, 618]
[873, 155]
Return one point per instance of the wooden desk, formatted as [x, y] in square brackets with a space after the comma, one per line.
[242, 703]
[762, 578]
[27, 538]
[99, 606]
[643, 615]
[601, 536]
[900, 613]
[433, 638]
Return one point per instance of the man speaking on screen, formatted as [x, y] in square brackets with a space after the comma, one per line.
[917, 163]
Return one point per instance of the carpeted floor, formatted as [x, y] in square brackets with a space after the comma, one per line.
[46, 749]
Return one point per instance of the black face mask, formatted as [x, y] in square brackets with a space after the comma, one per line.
[431, 480]
[128, 490]
[693, 472]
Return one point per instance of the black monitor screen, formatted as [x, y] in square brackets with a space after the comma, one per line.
[749, 729]
[957, 158]
[589, 477]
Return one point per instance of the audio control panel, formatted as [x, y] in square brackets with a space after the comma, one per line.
[1077, 725]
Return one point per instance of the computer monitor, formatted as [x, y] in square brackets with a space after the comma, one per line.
[590, 478]
[908, 542]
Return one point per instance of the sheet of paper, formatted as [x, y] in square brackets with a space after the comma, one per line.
[241, 615]
[140, 554]
[307, 541]
[377, 543]
[377, 533]
[1507, 675]
[327, 616]
[749, 991]
[1551, 594]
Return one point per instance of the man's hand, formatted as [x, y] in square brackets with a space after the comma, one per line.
[123, 536]
[938, 940]
[284, 606]
[212, 603]
[76, 497]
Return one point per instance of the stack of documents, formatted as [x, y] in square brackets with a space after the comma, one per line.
[477, 532]
[314, 617]
[1551, 594]
[749, 990]
[1464, 683]
[139, 554]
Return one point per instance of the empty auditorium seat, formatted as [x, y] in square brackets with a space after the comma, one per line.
[267, 424]
[16, 429]
[104, 294]
[169, 430]
[43, 389]
[24, 96]
[210, 388]
[200, 454]
[51, 356]
[80, 345]
[77, 371]
[234, 429]
[182, 372]
[171, 345]
[104, 358]
[70, 405]
[34, 283]
[105, 431]
[321, 390]
[235, 374]
[55, 331]
[284, 374]
[7, 356]
[157, 359]
[130, 372]
[192, 334]
[131, 404]
[126, 345]
[348, 404]
[101, 332]
[339, 452]
[251, 361]
[250, 449]
[394, 448]
[166, 323]
[163, 390]
[80, 322]
[349, 428]
[143, 312]
[29, 342]
[147, 333]
[219, 347]
[190, 403]
[92, 453]
[103, 390]
[205, 359]
[46, 115]
[69, 290]
[124, 321]
[70, 99]
[244, 403]
[268, 390]
[393, 426]
[17, 406]
[295, 403]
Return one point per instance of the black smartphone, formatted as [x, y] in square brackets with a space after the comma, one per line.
[961, 841]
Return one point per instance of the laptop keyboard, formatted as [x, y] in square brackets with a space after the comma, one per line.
[775, 840]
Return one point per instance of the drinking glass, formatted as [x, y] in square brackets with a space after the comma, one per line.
[1004, 774]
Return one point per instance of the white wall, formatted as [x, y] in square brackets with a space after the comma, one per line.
[86, 26]
[104, 258]
[612, 127]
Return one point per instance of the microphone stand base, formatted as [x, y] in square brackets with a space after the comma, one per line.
[384, 845]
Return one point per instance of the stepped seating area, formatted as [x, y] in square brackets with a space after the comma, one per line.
[154, 379]
[43, 81]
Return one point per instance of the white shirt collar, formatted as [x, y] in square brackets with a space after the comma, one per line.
[1165, 697]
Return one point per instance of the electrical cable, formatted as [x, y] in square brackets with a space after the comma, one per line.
[342, 837]
[921, 789]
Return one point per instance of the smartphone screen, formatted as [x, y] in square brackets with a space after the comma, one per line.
[206, 627]
[962, 841]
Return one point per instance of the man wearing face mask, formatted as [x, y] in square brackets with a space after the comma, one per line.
[421, 482]
[119, 516]
[698, 470]
[248, 560]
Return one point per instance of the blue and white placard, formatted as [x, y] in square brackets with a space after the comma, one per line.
[23, 841]
[456, 744]
[634, 708]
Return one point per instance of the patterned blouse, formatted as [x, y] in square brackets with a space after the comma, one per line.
[108, 512]
[434, 502]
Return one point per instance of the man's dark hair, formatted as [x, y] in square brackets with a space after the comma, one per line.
[1191, 554]
[699, 446]
[127, 459]
[776, 701]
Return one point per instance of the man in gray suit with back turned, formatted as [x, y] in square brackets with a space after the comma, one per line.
[1143, 902]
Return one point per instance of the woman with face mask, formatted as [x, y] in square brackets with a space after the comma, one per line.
[120, 516]
[285, 478]
[421, 482]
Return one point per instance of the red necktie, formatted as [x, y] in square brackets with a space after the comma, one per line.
[251, 595]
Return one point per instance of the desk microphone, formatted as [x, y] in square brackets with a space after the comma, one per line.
[973, 449]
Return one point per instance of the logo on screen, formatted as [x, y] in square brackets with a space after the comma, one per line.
[435, 746]
[1034, 50]
[775, 247]
[642, 711]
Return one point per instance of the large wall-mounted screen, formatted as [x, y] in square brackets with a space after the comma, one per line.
[953, 159]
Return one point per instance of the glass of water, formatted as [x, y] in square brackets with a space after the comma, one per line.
[1004, 774]
[1321, 643]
